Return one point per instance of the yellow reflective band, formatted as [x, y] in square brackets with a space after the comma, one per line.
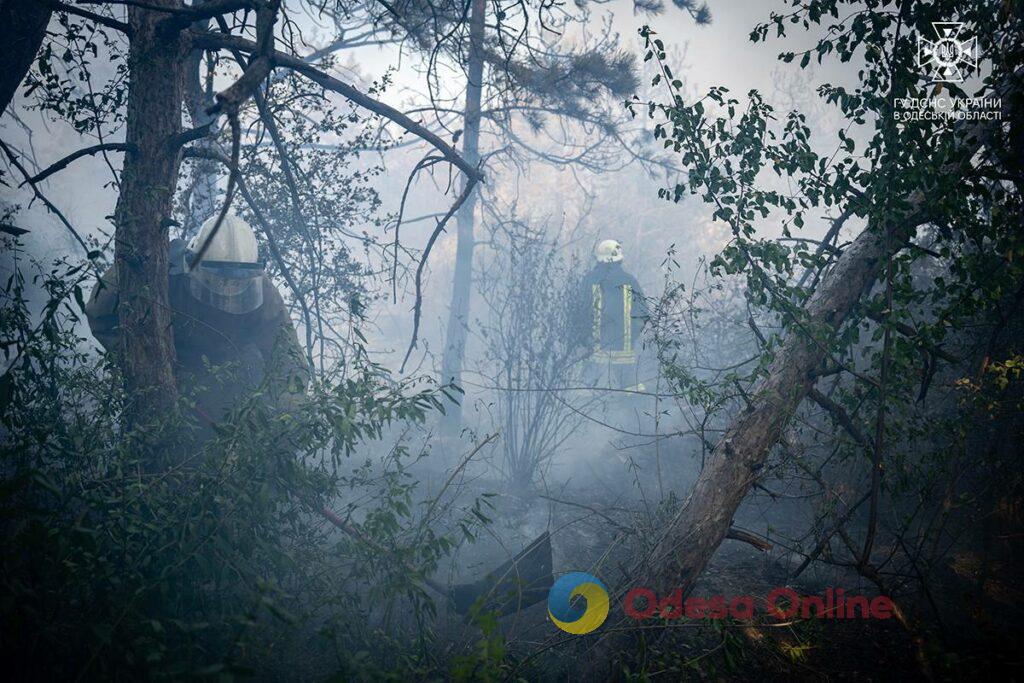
[627, 320]
[614, 357]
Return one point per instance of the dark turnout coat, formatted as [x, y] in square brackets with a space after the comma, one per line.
[610, 313]
[220, 356]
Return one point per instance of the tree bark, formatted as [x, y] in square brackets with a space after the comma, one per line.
[462, 281]
[22, 27]
[156, 60]
[703, 522]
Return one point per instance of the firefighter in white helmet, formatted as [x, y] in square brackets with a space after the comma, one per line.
[229, 276]
[232, 331]
[611, 317]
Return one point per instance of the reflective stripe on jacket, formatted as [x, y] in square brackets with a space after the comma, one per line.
[614, 314]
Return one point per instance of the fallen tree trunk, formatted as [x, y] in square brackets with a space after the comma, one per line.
[703, 522]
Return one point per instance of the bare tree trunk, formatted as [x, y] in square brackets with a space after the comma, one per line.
[156, 60]
[703, 522]
[462, 281]
[206, 172]
[22, 27]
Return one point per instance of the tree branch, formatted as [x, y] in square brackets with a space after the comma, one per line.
[259, 67]
[189, 135]
[231, 99]
[748, 537]
[49, 205]
[215, 41]
[12, 230]
[109, 22]
[186, 16]
[418, 306]
[74, 156]
[910, 333]
[839, 415]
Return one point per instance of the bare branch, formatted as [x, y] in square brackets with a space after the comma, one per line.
[185, 16]
[141, 4]
[840, 416]
[418, 306]
[749, 538]
[109, 22]
[189, 135]
[74, 156]
[12, 230]
[215, 41]
[49, 205]
[423, 163]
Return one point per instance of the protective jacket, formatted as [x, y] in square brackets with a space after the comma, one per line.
[220, 356]
[611, 313]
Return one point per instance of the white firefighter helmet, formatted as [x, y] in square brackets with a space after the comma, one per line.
[229, 276]
[609, 251]
[235, 242]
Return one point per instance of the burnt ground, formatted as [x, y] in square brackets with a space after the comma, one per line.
[969, 622]
[974, 638]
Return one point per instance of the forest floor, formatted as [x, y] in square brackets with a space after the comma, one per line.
[721, 649]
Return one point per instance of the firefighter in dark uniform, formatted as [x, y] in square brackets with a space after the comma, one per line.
[612, 311]
[232, 331]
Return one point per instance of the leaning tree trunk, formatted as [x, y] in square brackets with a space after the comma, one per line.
[22, 27]
[462, 281]
[702, 523]
[155, 64]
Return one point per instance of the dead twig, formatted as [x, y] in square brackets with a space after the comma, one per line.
[418, 305]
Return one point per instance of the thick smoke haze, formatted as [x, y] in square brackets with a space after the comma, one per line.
[537, 341]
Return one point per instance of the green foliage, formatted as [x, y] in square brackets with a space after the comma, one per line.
[950, 293]
[488, 659]
[739, 153]
[61, 84]
[220, 564]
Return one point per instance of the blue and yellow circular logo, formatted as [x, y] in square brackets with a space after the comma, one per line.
[574, 617]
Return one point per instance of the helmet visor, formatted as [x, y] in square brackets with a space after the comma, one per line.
[232, 290]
